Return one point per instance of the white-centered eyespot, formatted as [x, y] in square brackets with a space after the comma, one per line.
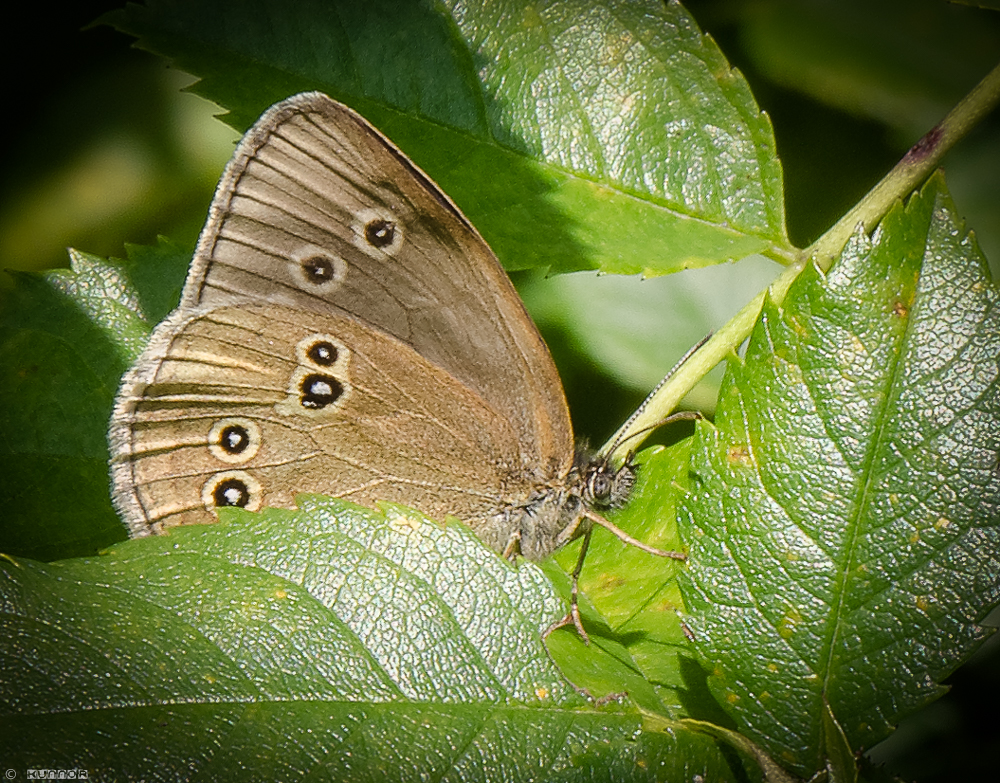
[232, 488]
[234, 440]
[378, 232]
[318, 271]
[319, 386]
[323, 352]
[314, 394]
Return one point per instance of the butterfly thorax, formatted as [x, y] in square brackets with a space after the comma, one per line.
[555, 511]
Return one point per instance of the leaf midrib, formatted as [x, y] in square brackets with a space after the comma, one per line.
[877, 443]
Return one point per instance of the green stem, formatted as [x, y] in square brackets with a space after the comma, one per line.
[772, 772]
[913, 169]
[905, 177]
[665, 398]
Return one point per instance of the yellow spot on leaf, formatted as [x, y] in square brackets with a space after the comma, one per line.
[408, 522]
[787, 624]
[799, 327]
[739, 455]
[531, 18]
[610, 581]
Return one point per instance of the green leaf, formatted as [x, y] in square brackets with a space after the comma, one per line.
[66, 338]
[304, 642]
[898, 66]
[614, 130]
[841, 763]
[843, 522]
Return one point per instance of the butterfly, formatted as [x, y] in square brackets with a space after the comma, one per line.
[345, 330]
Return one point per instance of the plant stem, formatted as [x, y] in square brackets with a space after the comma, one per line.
[906, 176]
[914, 168]
[665, 397]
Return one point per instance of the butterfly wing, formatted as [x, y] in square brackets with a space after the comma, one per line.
[250, 405]
[320, 212]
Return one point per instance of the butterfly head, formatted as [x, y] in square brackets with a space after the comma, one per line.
[602, 484]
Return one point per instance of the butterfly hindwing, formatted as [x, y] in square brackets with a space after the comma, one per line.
[264, 403]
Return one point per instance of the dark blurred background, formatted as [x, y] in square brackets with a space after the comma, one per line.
[104, 148]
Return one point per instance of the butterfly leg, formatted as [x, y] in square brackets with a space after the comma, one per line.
[621, 535]
[513, 546]
[573, 615]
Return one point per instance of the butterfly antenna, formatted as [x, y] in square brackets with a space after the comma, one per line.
[678, 416]
[670, 419]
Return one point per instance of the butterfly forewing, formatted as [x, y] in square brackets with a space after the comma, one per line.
[319, 211]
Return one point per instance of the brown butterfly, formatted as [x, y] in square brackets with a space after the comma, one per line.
[345, 330]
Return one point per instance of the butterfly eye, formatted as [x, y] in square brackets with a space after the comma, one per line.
[323, 353]
[318, 391]
[608, 487]
[601, 485]
[234, 440]
[232, 488]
